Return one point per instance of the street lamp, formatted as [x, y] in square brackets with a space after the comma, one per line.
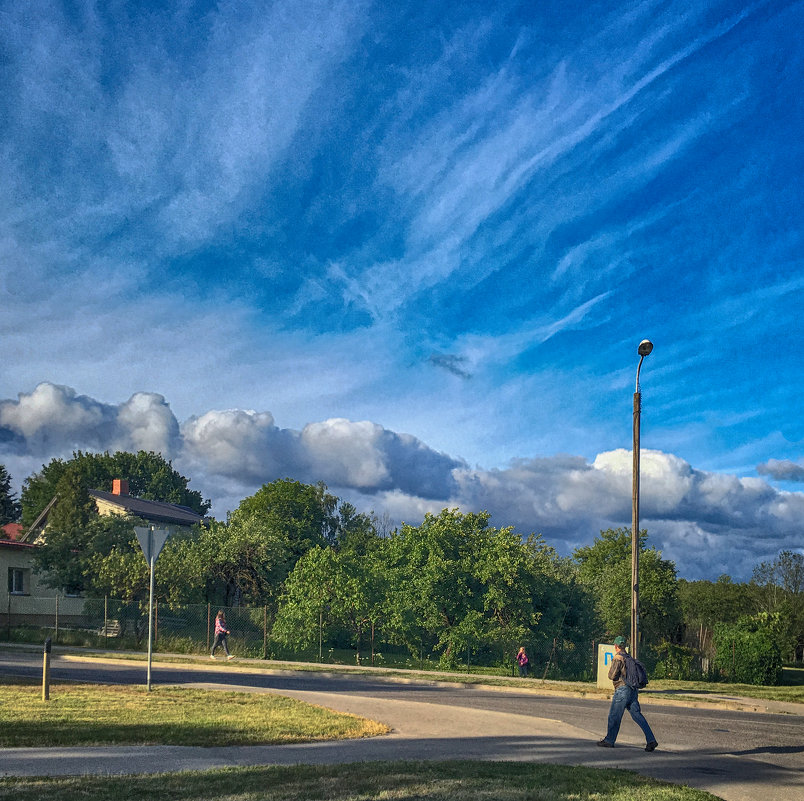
[645, 347]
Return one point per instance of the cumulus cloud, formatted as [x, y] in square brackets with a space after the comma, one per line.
[240, 444]
[782, 470]
[707, 523]
[249, 447]
[53, 420]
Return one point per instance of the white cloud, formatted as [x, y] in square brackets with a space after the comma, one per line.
[53, 420]
[246, 446]
[241, 444]
[708, 523]
[148, 423]
[349, 453]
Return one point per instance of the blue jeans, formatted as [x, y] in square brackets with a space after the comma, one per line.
[626, 697]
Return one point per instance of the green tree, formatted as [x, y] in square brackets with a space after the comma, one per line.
[9, 505]
[249, 558]
[303, 617]
[461, 582]
[242, 562]
[360, 605]
[149, 476]
[304, 514]
[747, 652]
[71, 561]
[605, 568]
[705, 603]
[331, 590]
[779, 593]
[115, 564]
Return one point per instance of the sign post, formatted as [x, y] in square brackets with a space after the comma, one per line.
[151, 540]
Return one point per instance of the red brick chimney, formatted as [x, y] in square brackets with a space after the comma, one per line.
[120, 486]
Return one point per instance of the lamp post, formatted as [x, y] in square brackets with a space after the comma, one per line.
[645, 347]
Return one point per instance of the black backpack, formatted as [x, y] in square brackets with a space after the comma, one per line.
[635, 674]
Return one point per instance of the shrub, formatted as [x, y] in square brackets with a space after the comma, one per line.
[675, 662]
[747, 653]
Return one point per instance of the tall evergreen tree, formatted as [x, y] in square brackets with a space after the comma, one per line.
[9, 505]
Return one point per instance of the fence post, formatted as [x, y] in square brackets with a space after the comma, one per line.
[156, 622]
[105, 621]
[209, 612]
[265, 632]
[46, 672]
[56, 628]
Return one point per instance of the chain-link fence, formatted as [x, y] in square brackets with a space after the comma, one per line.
[189, 629]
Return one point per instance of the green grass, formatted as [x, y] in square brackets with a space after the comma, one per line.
[791, 693]
[390, 781]
[79, 714]
[791, 690]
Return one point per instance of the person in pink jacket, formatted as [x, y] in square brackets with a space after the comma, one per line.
[522, 661]
[221, 633]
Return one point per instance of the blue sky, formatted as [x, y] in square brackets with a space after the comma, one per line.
[410, 250]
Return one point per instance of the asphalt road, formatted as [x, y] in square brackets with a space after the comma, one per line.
[735, 754]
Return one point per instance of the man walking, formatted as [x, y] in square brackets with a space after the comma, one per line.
[625, 697]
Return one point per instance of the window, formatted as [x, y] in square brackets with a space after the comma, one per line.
[18, 581]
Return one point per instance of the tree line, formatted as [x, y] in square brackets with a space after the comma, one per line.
[323, 569]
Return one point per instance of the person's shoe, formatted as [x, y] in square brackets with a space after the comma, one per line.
[651, 746]
[212, 656]
[605, 743]
[231, 657]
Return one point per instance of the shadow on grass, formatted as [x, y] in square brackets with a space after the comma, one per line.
[402, 781]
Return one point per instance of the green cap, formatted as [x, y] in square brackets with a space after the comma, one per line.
[619, 640]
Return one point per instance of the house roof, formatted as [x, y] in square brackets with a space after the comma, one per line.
[150, 510]
[16, 546]
[11, 531]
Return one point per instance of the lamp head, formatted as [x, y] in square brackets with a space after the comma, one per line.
[645, 347]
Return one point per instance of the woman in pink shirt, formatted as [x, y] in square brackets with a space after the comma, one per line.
[221, 632]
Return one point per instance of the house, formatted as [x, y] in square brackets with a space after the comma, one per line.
[119, 502]
[16, 564]
[26, 598]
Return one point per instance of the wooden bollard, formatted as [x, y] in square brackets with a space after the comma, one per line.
[46, 672]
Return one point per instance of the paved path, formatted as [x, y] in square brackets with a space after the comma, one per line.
[434, 732]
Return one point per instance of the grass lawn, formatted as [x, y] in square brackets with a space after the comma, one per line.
[790, 693]
[83, 714]
[791, 690]
[79, 714]
[367, 781]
